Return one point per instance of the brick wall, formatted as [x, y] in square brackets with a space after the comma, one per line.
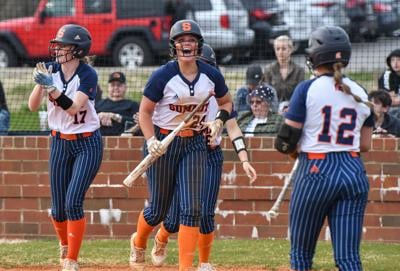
[112, 209]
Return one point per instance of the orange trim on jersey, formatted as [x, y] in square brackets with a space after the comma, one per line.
[322, 156]
[71, 136]
[182, 133]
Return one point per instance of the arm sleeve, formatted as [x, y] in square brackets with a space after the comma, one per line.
[89, 83]
[297, 105]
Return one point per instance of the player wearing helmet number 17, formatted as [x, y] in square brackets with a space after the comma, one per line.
[76, 147]
[328, 123]
[171, 93]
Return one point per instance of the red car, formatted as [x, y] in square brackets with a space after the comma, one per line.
[131, 33]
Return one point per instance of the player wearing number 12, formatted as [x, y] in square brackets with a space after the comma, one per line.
[171, 93]
[69, 86]
[331, 119]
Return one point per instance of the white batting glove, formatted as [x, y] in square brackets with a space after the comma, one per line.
[42, 76]
[215, 127]
[154, 147]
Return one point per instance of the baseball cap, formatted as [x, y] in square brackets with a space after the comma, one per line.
[254, 74]
[117, 76]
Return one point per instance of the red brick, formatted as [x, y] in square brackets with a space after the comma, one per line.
[382, 234]
[19, 142]
[7, 142]
[231, 205]
[10, 166]
[391, 144]
[125, 155]
[43, 142]
[25, 228]
[279, 168]
[377, 144]
[123, 230]
[10, 191]
[391, 169]
[383, 208]
[35, 216]
[268, 143]
[98, 229]
[114, 166]
[17, 204]
[10, 216]
[18, 154]
[252, 193]
[235, 231]
[106, 192]
[11, 178]
[137, 192]
[35, 166]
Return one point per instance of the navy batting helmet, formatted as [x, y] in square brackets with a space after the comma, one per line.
[328, 45]
[184, 27]
[208, 55]
[72, 34]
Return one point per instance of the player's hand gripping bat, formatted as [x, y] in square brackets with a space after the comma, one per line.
[149, 159]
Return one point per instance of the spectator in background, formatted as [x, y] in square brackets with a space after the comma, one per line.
[4, 113]
[115, 111]
[283, 74]
[261, 119]
[254, 76]
[390, 81]
[385, 123]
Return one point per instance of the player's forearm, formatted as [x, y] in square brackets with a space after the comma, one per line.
[233, 129]
[35, 99]
[146, 124]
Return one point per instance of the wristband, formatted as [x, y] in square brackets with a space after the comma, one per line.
[239, 144]
[64, 102]
[223, 115]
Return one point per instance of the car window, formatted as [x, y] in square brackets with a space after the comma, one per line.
[97, 6]
[200, 5]
[253, 4]
[57, 8]
[139, 8]
[233, 4]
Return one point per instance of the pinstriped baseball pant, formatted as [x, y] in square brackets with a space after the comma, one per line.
[180, 169]
[337, 188]
[209, 196]
[73, 166]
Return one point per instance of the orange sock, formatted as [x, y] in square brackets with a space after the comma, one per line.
[76, 230]
[205, 244]
[187, 241]
[143, 232]
[61, 231]
[163, 234]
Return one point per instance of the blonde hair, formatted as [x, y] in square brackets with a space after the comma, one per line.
[286, 39]
[338, 77]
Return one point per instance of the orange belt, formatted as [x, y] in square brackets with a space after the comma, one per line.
[71, 136]
[322, 156]
[182, 133]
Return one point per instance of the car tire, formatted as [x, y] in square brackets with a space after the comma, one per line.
[132, 52]
[8, 58]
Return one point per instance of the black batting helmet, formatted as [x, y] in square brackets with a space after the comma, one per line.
[328, 45]
[208, 55]
[184, 27]
[76, 35]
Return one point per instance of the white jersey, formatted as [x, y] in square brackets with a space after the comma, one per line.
[176, 96]
[332, 120]
[86, 120]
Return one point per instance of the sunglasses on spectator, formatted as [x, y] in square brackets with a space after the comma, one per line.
[255, 102]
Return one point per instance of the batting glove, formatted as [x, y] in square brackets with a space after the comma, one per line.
[42, 76]
[215, 129]
[155, 147]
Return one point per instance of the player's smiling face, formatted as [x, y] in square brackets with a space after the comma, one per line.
[186, 47]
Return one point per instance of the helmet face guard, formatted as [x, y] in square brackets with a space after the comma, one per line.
[328, 45]
[75, 35]
[185, 27]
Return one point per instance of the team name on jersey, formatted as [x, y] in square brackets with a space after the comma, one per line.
[187, 108]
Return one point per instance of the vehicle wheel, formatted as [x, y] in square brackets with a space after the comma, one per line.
[132, 52]
[8, 58]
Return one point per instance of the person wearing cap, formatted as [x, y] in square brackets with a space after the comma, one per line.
[283, 74]
[390, 81]
[261, 120]
[254, 76]
[115, 110]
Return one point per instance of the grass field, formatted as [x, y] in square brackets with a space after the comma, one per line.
[268, 254]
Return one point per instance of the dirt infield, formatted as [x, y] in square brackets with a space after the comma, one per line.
[125, 268]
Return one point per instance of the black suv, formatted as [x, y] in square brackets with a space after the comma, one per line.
[266, 19]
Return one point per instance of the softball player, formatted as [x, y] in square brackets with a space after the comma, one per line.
[210, 188]
[76, 147]
[330, 119]
[172, 92]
